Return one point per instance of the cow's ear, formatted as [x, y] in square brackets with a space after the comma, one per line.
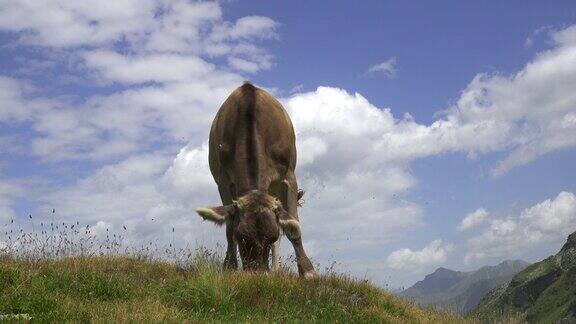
[289, 225]
[219, 214]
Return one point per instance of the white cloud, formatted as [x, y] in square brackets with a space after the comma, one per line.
[248, 58]
[432, 254]
[154, 25]
[473, 219]
[529, 41]
[157, 68]
[243, 65]
[552, 216]
[130, 121]
[9, 192]
[15, 190]
[343, 178]
[254, 26]
[180, 30]
[297, 89]
[161, 57]
[386, 68]
[547, 222]
[534, 108]
[16, 103]
[149, 194]
[66, 23]
[566, 36]
[189, 176]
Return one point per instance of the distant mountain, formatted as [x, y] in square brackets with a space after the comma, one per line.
[544, 292]
[461, 291]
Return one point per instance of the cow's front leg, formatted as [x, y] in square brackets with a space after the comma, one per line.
[292, 230]
[276, 255]
[231, 259]
[305, 267]
[288, 219]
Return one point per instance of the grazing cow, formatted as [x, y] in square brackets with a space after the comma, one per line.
[252, 156]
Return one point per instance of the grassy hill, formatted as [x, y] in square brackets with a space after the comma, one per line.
[111, 288]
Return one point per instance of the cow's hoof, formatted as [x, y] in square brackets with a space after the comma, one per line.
[310, 274]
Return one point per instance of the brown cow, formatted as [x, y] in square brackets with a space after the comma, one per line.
[252, 155]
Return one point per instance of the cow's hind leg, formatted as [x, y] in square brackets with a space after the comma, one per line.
[231, 259]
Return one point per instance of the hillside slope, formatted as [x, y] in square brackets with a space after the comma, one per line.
[543, 292]
[461, 291]
[111, 289]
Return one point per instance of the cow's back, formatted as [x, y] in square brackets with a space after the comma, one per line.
[252, 141]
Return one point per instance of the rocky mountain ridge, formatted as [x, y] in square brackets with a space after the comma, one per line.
[461, 291]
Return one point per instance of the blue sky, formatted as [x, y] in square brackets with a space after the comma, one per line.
[431, 134]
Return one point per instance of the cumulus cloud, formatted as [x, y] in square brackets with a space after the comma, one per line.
[17, 103]
[473, 219]
[432, 254]
[13, 191]
[254, 26]
[128, 121]
[64, 23]
[386, 68]
[9, 191]
[149, 194]
[148, 25]
[243, 65]
[552, 216]
[343, 178]
[159, 52]
[546, 222]
[115, 67]
[527, 114]
[534, 108]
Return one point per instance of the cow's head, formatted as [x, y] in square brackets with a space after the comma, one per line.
[256, 219]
